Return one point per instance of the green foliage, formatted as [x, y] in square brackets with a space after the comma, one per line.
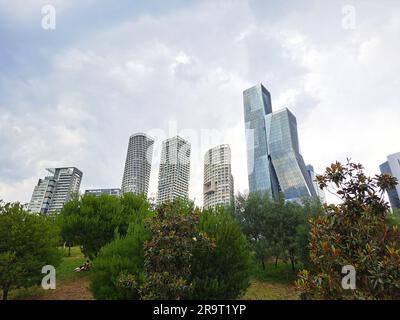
[92, 222]
[117, 272]
[188, 255]
[276, 228]
[169, 255]
[27, 243]
[357, 233]
[224, 272]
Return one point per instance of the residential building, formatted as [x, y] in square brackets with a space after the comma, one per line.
[42, 195]
[52, 192]
[174, 174]
[116, 192]
[218, 179]
[68, 181]
[138, 164]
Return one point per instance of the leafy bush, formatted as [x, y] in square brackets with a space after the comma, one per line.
[28, 242]
[195, 255]
[117, 272]
[222, 273]
[169, 254]
[357, 233]
[118, 269]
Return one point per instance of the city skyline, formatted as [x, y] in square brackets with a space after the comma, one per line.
[72, 96]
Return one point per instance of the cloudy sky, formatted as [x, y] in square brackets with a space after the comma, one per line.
[72, 96]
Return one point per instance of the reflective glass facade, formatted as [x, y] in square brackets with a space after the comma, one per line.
[274, 161]
[392, 167]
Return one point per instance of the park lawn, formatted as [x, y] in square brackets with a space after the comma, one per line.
[269, 284]
[272, 283]
[69, 285]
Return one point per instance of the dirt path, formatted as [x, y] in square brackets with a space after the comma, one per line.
[77, 289]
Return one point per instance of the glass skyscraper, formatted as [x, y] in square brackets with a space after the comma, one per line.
[273, 157]
[392, 167]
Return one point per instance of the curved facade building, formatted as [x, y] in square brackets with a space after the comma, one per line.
[138, 164]
[218, 179]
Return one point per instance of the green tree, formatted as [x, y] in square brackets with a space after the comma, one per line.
[224, 272]
[27, 243]
[190, 255]
[276, 228]
[169, 253]
[355, 232]
[117, 272]
[253, 212]
[92, 222]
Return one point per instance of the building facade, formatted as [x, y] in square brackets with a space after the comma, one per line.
[312, 175]
[42, 195]
[68, 182]
[218, 179]
[174, 174]
[137, 170]
[273, 155]
[116, 192]
[52, 192]
[392, 167]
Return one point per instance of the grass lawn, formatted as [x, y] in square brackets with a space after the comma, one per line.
[69, 285]
[272, 283]
[269, 284]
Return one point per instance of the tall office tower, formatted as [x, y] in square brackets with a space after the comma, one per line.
[52, 192]
[273, 157]
[312, 175]
[392, 167]
[218, 179]
[116, 192]
[68, 181]
[138, 164]
[173, 177]
[42, 195]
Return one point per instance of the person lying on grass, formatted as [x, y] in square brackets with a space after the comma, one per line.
[84, 267]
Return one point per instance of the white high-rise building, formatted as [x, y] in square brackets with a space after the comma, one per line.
[42, 195]
[218, 179]
[52, 192]
[68, 182]
[115, 192]
[173, 178]
[138, 164]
